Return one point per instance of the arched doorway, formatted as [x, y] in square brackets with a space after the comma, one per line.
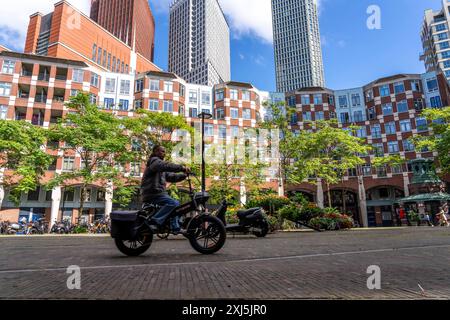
[346, 201]
[305, 194]
[381, 209]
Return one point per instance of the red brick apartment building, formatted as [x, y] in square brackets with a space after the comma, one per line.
[131, 21]
[388, 113]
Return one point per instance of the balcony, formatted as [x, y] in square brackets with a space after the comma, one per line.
[27, 70]
[40, 99]
[61, 74]
[44, 73]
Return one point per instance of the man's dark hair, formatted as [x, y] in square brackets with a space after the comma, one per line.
[155, 149]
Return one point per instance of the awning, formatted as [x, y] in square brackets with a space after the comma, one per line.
[425, 197]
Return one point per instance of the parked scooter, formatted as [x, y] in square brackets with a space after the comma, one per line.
[18, 228]
[60, 228]
[250, 221]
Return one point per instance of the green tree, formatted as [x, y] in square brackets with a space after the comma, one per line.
[326, 152]
[98, 138]
[280, 116]
[22, 160]
[439, 141]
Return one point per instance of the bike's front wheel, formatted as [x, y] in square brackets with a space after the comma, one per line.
[207, 234]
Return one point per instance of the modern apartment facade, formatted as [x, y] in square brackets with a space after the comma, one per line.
[297, 46]
[435, 39]
[130, 21]
[387, 114]
[199, 42]
[70, 34]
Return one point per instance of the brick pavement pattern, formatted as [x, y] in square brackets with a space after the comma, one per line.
[302, 265]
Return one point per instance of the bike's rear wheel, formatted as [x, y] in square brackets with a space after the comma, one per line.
[134, 248]
[264, 226]
[207, 234]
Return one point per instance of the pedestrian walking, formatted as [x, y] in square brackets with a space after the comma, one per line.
[443, 220]
[428, 220]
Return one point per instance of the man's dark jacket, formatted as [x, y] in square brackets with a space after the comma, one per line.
[156, 175]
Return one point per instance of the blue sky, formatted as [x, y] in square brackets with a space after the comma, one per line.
[353, 54]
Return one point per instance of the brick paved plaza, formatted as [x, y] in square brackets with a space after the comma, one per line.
[301, 265]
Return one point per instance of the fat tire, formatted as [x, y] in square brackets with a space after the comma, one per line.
[133, 252]
[192, 235]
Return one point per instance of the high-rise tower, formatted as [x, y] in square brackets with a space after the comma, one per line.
[298, 52]
[199, 42]
[131, 21]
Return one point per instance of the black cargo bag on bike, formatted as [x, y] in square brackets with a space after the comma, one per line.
[124, 224]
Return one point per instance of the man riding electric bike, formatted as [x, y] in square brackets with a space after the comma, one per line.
[153, 187]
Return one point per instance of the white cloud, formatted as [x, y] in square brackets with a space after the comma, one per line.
[246, 17]
[14, 18]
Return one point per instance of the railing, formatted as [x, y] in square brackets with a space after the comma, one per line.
[26, 73]
[58, 98]
[23, 95]
[61, 77]
[43, 77]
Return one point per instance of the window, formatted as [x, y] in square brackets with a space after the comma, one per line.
[182, 90]
[343, 102]
[206, 98]
[99, 56]
[34, 195]
[292, 101]
[246, 95]
[139, 85]
[318, 99]
[168, 106]
[109, 103]
[118, 66]
[153, 105]
[109, 61]
[418, 105]
[247, 114]
[154, 85]
[376, 131]
[320, 115]
[193, 112]
[440, 27]
[344, 117]
[445, 54]
[408, 146]
[5, 89]
[390, 128]
[369, 95]
[74, 92]
[94, 79]
[110, 86]
[396, 169]
[94, 53]
[92, 98]
[193, 97]
[387, 109]
[402, 106]
[372, 113]
[367, 170]
[219, 95]
[435, 102]
[168, 86]
[378, 149]
[104, 58]
[235, 131]
[421, 124]
[393, 147]
[415, 86]
[307, 116]
[3, 112]
[135, 169]
[444, 45]
[8, 66]
[125, 87]
[234, 94]
[305, 99]
[447, 64]
[361, 132]
[442, 36]
[138, 104]
[385, 91]
[78, 75]
[234, 113]
[405, 125]
[358, 116]
[432, 85]
[124, 104]
[381, 171]
[294, 118]
[222, 132]
[220, 114]
[209, 130]
[356, 100]
[399, 87]
[68, 164]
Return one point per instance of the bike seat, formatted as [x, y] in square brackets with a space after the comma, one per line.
[246, 213]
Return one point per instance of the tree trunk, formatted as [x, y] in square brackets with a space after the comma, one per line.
[329, 195]
[82, 199]
[343, 201]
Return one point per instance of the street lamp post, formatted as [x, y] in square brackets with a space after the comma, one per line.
[204, 115]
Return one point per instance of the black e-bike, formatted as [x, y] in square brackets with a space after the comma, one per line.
[133, 233]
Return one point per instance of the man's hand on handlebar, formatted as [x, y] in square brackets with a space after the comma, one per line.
[187, 170]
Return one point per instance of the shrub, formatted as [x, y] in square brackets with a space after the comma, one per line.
[290, 212]
[309, 213]
[270, 203]
[80, 230]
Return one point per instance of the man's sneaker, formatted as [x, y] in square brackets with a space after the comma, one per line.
[179, 231]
